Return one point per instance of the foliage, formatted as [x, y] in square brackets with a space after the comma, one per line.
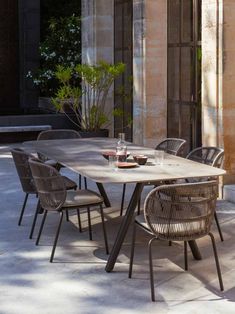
[63, 8]
[62, 46]
[84, 89]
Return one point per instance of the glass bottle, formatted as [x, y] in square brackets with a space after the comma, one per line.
[121, 149]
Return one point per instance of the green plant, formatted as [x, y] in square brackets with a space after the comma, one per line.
[62, 45]
[83, 90]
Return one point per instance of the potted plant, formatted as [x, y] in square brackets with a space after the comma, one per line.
[83, 92]
[62, 45]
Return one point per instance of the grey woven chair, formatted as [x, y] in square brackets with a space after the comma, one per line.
[54, 197]
[59, 134]
[21, 160]
[212, 156]
[178, 212]
[171, 146]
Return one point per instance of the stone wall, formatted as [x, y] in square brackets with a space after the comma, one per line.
[150, 71]
[97, 37]
[218, 79]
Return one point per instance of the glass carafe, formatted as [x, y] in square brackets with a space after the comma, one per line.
[121, 149]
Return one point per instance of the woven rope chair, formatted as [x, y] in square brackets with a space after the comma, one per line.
[54, 197]
[21, 160]
[178, 212]
[59, 134]
[212, 156]
[22, 166]
[171, 146]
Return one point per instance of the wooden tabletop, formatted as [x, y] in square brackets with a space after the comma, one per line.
[85, 157]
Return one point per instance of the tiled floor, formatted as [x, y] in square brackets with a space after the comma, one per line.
[77, 283]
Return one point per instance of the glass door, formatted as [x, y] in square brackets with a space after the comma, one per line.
[184, 71]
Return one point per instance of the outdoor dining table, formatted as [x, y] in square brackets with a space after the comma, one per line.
[84, 156]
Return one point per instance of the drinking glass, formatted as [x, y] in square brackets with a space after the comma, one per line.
[121, 153]
[159, 156]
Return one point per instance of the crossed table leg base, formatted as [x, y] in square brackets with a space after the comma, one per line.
[126, 221]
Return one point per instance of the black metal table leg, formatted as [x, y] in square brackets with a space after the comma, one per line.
[195, 250]
[103, 194]
[126, 221]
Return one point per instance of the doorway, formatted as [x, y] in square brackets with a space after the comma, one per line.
[9, 57]
[123, 21]
[184, 71]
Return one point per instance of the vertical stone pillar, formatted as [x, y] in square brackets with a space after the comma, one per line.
[218, 79]
[97, 31]
[150, 71]
[97, 37]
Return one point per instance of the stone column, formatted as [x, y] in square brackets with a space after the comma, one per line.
[218, 79]
[150, 71]
[97, 37]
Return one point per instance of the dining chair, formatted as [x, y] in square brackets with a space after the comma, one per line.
[212, 156]
[172, 146]
[54, 197]
[59, 134]
[21, 160]
[178, 212]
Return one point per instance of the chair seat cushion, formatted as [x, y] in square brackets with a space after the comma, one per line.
[174, 230]
[69, 184]
[82, 198]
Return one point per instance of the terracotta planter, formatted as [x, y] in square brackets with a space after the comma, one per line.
[99, 133]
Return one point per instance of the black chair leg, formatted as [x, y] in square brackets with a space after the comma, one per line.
[218, 227]
[56, 237]
[85, 183]
[138, 208]
[79, 220]
[185, 256]
[217, 262]
[151, 269]
[23, 208]
[80, 182]
[123, 198]
[132, 250]
[67, 215]
[89, 222]
[38, 209]
[104, 230]
[41, 227]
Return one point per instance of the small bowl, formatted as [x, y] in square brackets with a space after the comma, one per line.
[140, 159]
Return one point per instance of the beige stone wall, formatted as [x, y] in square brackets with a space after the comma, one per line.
[149, 60]
[150, 71]
[218, 79]
[97, 38]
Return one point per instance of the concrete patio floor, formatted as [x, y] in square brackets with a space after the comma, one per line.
[77, 283]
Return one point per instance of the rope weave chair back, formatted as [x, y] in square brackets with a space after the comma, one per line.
[49, 184]
[181, 212]
[21, 160]
[60, 134]
[171, 145]
[219, 160]
[206, 155]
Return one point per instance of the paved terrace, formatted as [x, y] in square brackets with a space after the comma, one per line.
[76, 282]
